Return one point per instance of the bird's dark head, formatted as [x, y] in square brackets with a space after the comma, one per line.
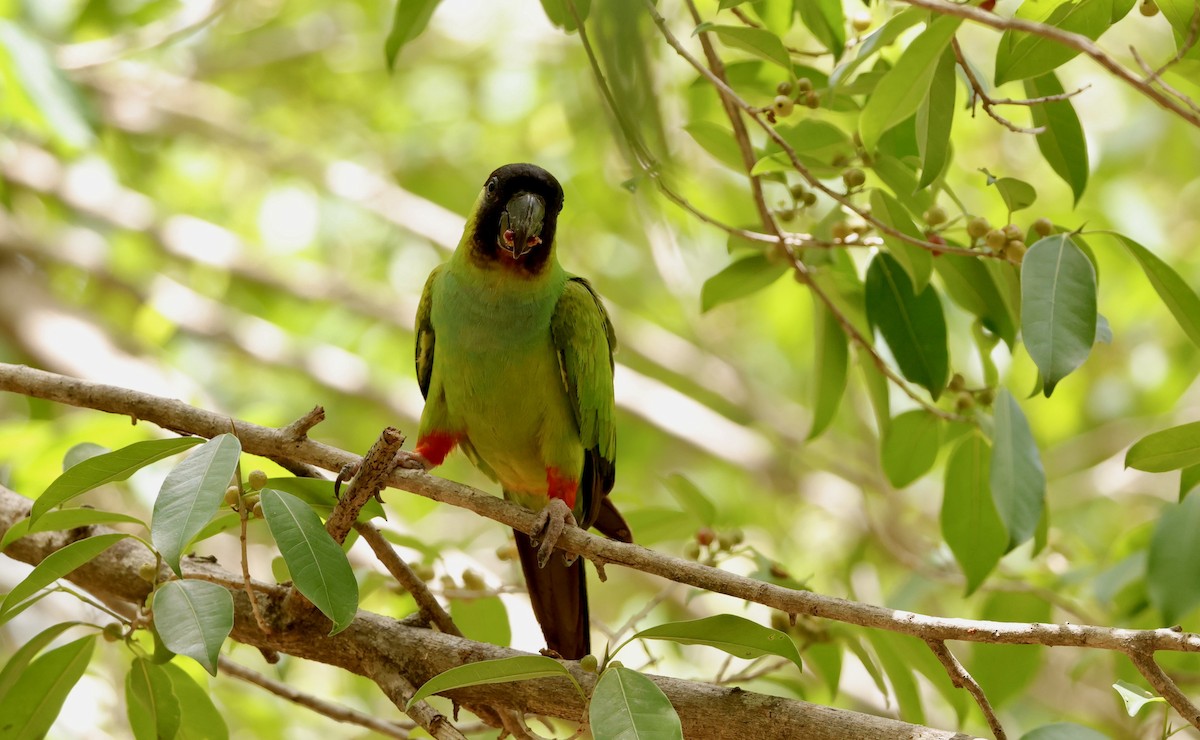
[515, 218]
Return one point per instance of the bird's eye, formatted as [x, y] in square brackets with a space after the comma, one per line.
[491, 186]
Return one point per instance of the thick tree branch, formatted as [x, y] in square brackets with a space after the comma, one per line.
[1166, 688]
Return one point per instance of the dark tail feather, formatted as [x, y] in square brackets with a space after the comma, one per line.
[559, 596]
[610, 523]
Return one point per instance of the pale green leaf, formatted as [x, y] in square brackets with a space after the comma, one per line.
[1173, 563]
[830, 366]
[757, 41]
[14, 667]
[910, 446]
[935, 117]
[1169, 449]
[194, 618]
[199, 718]
[484, 619]
[501, 670]
[1017, 478]
[150, 701]
[408, 21]
[190, 496]
[32, 705]
[690, 497]
[1176, 294]
[718, 141]
[1022, 55]
[1135, 697]
[56, 565]
[1058, 307]
[739, 279]
[1062, 143]
[917, 262]
[827, 21]
[733, 634]
[970, 524]
[626, 705]
[57, 519]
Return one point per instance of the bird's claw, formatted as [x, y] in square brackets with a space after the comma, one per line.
[551, 521]
[413, 461]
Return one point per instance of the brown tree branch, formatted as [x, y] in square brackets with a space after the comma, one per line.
[431, 611]
[964, 680]
[1144, 661]
[978, 93]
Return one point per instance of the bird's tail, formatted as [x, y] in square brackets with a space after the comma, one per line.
[559, 596]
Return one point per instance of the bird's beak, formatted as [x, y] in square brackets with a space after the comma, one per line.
[521, 224]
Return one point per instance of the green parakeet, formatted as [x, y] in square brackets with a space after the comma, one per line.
[514, 357]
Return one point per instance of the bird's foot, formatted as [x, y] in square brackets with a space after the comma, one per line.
[551, 521]
[345, 475]
[413, 461]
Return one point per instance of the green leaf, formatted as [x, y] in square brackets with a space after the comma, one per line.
[57, 519]
[917, 262]
[13, 670]
[31, 707]
[560, 14]
[56, 102]
[810, 136]
[113, 466]
[1135, 697]
[935, 117]
[502, 670]
[190, 496]
[626, 706]
[690, 497]
[902, 89]
[56, 565]
[1022, 55]
[82, 451]
[318, 494]
[1176, 294]
[318, 565]
[1005, 671]
[900, 671]
[1064, 731]
[194, 618]
[1058, 307]
[150, 701]
[910, 446]
[1173, 563]
[199, 718]
[970, 524]
[971, 285]
[757, 41]
[735, 635]
[408, 21]
[881, 38]
[1169, 449]
[1017, 478]
[1189, 478]
[717, 141]
[912, 324]
[484, 619]
[1017, 194]
[738, 280]
[1179, 13]
[1062, 143]
[827, 21]
[830, 365]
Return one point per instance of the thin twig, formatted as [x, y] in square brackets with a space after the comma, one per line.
[299, 428]
[1152, 76]
[431, 610]
[400, 691]
[1144, 661]
[372, 477]
[964, 680]
[978, 93]
[335, 712]
[748, 21]
[244, 516]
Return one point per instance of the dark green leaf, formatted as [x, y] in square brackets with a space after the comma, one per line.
[690, 497]
[1005, 671]
[1017, 194]
[900, 672]
[827, 22]
[739, 279]
[484, 619]
[14, 667]
[935, 118]
[56, 565]
[1173, 564]
[319, 495]
[1022, 55]
[1062, 143]
[1169, 449]
[735, 635]
[57, 519]
[757, 41]
[408, 21]
[1064, 731]
[1178, 296]
[190, 496]
[878, 390]
[882, 37]
[830, 365]
[1135, 697]
[626, 705]
[194, 618]
[560, 13]
[917, 262]
[502, 670]
[318, 565]
[899, 172]
[970, 524]
[34, 702]
[1017, 478]
[969, 283]
[901, 91]
[150, 701]
[1189, 478]
[912, 324]
[113, 466]
[1058, 307]
[910, 446]
[717, 141]
[199, 719]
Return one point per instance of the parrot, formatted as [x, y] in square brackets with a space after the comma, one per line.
[514, 357]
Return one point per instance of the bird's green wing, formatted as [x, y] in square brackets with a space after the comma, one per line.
[425, 337]
[584, 339]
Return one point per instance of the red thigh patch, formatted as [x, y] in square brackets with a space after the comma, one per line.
[561, 486]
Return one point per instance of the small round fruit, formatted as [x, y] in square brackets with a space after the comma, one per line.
[986, 397]
[257, 480]
[786, 215]
[113, 632]
[810, 199]
[812, 99]
[978, 227]
[784, 88]
[1012, 231]
[148, 572]
[996, 239]
[804, 84]
[1043, 227]
[1015, 251]
[799, 190]
[737, 535]
[691, 550]
[705, 536]
[965, 402]
[935, 238]
[473, 580]
[589, 663]
[250, 501]
[256, 510]
[448, 583]
[840, 230]
[935, 215]
[724, 541]
[854, 178]
[424, 571]
[231, 495]
[861, 21]
[783, 106]
[957, 383]
[616, 664]
[1148, 8]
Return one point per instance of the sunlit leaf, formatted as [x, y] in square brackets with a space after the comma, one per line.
[1176, 294]
[150, 702]
[191, 494]
[560, 13]
[408, 21]
[82, 451]
[56, 565]
[1022, 55]
[57, 519]
[1062, 143]
[1135, 697]
[32, 705]
[1058, 307]
[1017, 479]
[830, 365]
[690, 497]
[194, 618]
[318, 494]
[910, 446]
[1189, 479]
[317, 563]
[733, 634]
[717, 141]
[901, 675]
[199, 718]
[1169, 449]
[58, 104]
[827, 21]
[970, 524]
[739, 279]
[935, 117]
[1005, 671]
[484, 619]
[1017, 194]
[917, 262]
[912, 324]
[13, 669]
[1173, 564]
[502, 670]
[627, 705]
[880, 38]
[757, 41]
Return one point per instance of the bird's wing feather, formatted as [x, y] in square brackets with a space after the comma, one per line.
[584, 338]
[425, 336]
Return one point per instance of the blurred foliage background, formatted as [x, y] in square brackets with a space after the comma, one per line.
[234, 203]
